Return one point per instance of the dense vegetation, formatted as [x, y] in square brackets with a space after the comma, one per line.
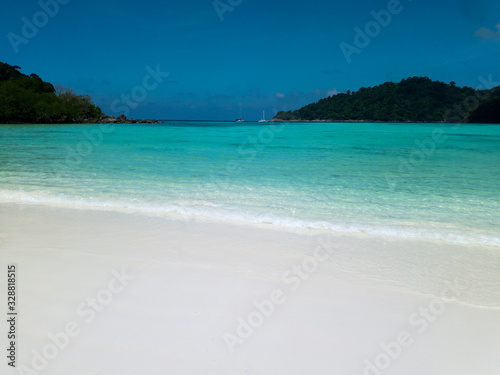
[28, 99]
[417, 99]
[488, 112]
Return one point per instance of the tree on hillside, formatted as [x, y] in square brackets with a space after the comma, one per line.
[26, 98]
[415, 99]
[487, 113]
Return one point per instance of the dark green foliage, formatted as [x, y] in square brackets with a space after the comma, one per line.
[417, 99]
[487, 113]
[28, 99]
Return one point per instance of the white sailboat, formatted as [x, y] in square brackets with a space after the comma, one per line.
[263, 117]
[240, 119]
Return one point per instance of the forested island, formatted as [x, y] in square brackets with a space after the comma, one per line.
[29, 99]
[416, 99]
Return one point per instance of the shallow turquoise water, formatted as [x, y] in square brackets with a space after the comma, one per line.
[405, 180]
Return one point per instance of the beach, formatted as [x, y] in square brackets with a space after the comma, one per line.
[217, 248]
[142, 294]
[236, 187]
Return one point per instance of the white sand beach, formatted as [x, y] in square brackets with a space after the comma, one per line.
[120, 293]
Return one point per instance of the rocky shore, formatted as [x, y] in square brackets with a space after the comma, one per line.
[121, 119]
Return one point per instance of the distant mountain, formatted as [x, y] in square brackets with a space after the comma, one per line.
[416, 99]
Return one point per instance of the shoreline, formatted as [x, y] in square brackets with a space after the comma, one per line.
[188, 288]
[371, 250]
[368, 121]
[154, 121]
[443, 234]
[382, 122]
[87, 121]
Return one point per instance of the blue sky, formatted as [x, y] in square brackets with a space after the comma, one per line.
[247, 56]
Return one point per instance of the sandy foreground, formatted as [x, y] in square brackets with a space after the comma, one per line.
[119, 293]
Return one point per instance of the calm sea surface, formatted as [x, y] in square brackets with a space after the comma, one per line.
[434, 181]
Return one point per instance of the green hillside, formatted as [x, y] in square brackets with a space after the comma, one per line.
[28, 99]
[417, 99]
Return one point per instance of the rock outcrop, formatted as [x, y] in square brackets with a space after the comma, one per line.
[121, 119]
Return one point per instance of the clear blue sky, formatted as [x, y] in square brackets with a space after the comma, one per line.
[263, 55]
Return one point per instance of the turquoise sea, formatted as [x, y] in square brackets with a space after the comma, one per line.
[434, 181]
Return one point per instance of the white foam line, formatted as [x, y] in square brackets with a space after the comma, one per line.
[211, 212]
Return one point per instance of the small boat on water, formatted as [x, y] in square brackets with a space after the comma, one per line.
[240, 119]
[263, 117]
